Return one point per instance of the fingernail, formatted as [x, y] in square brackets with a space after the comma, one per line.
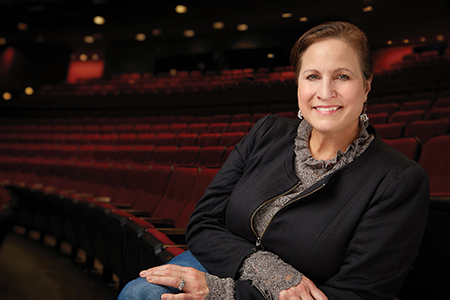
[143, 274]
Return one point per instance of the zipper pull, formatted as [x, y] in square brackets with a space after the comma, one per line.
[258, 242]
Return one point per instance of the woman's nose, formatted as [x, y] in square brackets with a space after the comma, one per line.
[326, 90]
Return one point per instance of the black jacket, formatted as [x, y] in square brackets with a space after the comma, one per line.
[355, 233]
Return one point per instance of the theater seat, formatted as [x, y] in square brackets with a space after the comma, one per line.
[409, 146]
[426, 129]
[435, 159]
[407, 117]
[210, 157]
[389, 130]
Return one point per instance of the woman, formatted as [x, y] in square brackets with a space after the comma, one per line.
[323, 197]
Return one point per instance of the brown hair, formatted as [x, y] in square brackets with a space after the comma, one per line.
[335, 30]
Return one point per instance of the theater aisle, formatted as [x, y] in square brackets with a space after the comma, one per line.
[30, 270]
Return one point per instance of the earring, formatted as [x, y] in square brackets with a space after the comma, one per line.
[363, 117]
[299, 114]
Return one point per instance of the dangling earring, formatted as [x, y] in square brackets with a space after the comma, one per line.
[299, 114]
[363, 117]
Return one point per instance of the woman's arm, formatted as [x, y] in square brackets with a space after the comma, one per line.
[207, 236]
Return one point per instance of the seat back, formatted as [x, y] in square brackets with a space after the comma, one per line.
[435, 159]
[177, 194]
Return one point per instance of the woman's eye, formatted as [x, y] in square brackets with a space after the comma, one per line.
[343, 76]
[312, 77]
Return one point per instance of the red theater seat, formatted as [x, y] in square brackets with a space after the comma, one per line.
[208, 139]
[163, 155]
[229, 139]
[435, 159]
[426, 129]
[210, 157]
[409, 146]
[389, 130]
[407, 117]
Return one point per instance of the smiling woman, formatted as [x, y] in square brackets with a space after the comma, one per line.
[318, 208]
[331, 95]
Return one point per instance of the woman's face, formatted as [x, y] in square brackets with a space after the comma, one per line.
[331, 90]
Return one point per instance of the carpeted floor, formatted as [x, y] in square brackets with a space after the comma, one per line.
[31, 270]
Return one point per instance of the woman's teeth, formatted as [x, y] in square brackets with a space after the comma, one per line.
[327, 108]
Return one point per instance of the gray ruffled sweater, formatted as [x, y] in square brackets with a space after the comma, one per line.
[268, 273]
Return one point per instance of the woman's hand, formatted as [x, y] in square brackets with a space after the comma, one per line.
[195, 287]
[305, 290]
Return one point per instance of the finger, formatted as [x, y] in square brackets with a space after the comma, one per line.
[165, 280]
[181, 296]
[168, 270]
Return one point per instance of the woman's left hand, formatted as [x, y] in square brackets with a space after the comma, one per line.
[195, 287]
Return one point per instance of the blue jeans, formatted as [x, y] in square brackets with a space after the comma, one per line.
[140, 288]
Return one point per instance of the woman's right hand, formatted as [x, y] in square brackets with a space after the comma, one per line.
[305, 290]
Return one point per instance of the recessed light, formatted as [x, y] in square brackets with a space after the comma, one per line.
[242, 27]
[270, 55]
[405, 41]
[218, 25]
[303, 19]
[156, 32]
[367, 8]
[22, 26]
[89, 39]
[140, 37]
[423, 39]
[389, 42]
[189, 33]
[440, 38]
[286, 15]
[83, 57]
[181, 9]
[99, 20]
[7, 96]
[2, 41]
[29, 91]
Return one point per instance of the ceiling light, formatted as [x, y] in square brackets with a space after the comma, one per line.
[173, 72]
[29, 91]
[95, 57]
[303, 19]
[389, 42]
[89, 39]
[7, 96]
[140, 37]
[423, 39]
[99, 20]
[286, 15]
[189, 33]
[405, 41]
[270, 55]
[22, 26]
[181, 9]
[83, 57]
[440, 38]
[242, 27]
[2, 41]
[156, 32]
[218, 25]
[367, 8]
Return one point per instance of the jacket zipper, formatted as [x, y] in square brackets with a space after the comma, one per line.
[259, 238]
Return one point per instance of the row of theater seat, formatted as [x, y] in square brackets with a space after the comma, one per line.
[116, 212]
[68, 201]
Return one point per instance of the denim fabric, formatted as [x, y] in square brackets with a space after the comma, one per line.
[140, 289]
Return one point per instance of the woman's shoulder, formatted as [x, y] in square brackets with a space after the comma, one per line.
[275, 121]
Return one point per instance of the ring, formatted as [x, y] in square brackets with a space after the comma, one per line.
[182, 284]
